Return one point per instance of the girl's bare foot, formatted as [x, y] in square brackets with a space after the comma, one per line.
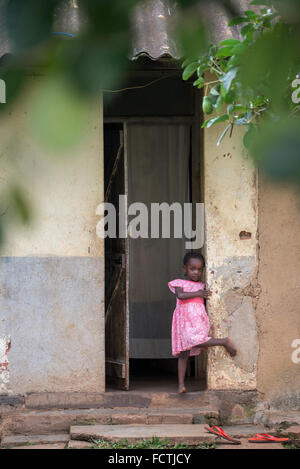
[181, 389]
[230, 347]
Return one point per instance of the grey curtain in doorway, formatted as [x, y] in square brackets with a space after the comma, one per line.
[158, 171]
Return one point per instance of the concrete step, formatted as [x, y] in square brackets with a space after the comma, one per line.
[79, 400]
[45, 422]
[278, 418]
[23, 440]
[82, 436]
[47, 447]
[174, 433]
[189, 434]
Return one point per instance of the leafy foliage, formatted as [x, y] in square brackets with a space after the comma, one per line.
[244, 105]
[247, 82]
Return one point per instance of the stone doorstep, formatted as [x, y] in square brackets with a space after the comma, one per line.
[189, 434]
[175, 433]
[77, 444]
[34, 422]
[19, 440]
[111, 399]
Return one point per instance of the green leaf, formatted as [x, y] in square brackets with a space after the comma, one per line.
[251, 14]
[230, 96]
[229, 77]
[223, 134]
[224, 52]
[237, 20]
[215, 90]
[246, 29]
[239, 49]
[230, 109]
[219, 104]
[233, 62]
[229, 42]
[199, 83]
[215, 120]
[207, 105]
[190, 70]
[188, 61]
[239, 107]
[245, 119]
[202, 69]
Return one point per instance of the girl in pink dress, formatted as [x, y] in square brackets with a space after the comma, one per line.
[190, 325]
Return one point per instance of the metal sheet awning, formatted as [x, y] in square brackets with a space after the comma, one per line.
[154, 20]
[152, 26]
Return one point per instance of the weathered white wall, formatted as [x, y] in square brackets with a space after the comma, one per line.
[230, 196]
[52, 273]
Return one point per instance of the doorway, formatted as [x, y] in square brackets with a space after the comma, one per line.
[152, 155]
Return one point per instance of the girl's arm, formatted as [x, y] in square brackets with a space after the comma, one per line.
[182, 295]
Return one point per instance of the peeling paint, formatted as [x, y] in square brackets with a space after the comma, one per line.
[242, 330]
[231, 245]
[235, 272]
[5, 346]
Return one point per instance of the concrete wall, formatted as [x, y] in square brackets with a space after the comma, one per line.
[230, 196]
[278, 306]
[52, 274]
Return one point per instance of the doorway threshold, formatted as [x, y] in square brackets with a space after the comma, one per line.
[166, 384]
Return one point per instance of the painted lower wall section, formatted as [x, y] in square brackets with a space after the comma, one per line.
[51, 317]
[230, 196]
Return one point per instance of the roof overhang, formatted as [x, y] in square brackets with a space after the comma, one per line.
[153, 24]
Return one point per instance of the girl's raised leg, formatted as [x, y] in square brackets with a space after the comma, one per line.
[227, 343]
[182, 364]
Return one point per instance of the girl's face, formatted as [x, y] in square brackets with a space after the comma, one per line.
[193, 269]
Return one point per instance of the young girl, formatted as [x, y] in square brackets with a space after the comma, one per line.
[190, 325]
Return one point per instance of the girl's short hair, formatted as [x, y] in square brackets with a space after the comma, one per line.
[193, 255]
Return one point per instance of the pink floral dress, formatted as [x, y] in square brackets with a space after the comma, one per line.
[190, 325]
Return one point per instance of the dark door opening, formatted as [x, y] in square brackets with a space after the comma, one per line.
[159, 162]
[116, 284]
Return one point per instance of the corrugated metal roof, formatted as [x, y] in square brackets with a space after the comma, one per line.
[5, 44]
[152, 26]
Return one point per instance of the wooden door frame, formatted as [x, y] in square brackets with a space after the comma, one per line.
[197, 151]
